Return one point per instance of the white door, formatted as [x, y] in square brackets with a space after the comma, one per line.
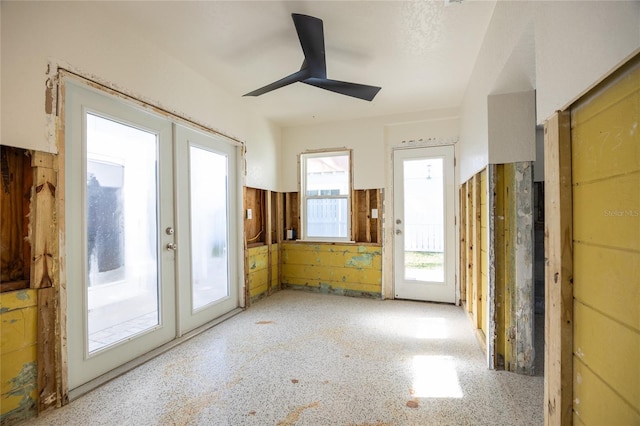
[207, 228]
[151, 234]
[119, 202]
[424, 234]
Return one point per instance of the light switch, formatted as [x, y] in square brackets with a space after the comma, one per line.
[249, 214]
[374, 213]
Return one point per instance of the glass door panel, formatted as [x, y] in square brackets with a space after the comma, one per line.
[118, 202]
[121, 223]
[207, 232]
[424, 227]
[210, 243]
[424, 220]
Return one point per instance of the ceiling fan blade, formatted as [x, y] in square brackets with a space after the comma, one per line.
[292, 78]
[360, 91]
[311, 35]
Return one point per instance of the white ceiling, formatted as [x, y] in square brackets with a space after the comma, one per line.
[420, 52]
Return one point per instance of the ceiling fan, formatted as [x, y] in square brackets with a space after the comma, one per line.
[314, 67]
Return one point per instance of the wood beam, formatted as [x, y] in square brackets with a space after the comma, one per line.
[463, 242]
[268, 235]
[558, 385]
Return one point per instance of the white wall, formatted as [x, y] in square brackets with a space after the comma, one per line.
[512, 127]
[366, 138]
[85, 37]
[575, 43]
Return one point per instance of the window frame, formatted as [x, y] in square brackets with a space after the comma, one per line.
[302, 161]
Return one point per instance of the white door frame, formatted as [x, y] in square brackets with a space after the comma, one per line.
[389, 218]
[428, 289]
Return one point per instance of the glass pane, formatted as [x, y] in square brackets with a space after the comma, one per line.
[209, 237]
[327, 175]
[424, 220]
[121, 221]
[327, 217]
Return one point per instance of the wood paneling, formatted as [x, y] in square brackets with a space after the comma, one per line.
[484, 253]
[255, 229]
[333, 268]
[619, 300]
[366, 228]
[18, 355]
[605, 147]
[463, 242]
[15, 195]
[474, 236]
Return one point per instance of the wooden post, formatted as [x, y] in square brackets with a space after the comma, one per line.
[268, 237]
[45, 275]
[280, 233]
[468, 231]
[380, 216]
[368, 214]
[288, 222]
[502, 323]
[44, 236]
[558, 384]
[247, 297]
[477, 246]
[279, 218]
[463, 242]
[355, 206]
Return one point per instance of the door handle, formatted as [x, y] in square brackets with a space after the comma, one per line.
[172, 246]
[398, 232]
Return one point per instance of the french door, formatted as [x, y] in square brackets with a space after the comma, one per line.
[206, 252]
[150, 214]
[424, 233]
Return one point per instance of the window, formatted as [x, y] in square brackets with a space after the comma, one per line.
[326, 196]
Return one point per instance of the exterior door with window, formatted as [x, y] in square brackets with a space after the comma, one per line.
[424, 234]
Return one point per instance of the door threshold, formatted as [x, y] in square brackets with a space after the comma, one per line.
[124, 368]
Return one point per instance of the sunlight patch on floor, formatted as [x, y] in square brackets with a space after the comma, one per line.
[435, 376]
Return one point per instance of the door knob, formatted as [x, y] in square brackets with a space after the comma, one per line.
[398, 232]
[172, 246]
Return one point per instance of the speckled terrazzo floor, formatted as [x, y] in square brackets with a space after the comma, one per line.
[300, 358]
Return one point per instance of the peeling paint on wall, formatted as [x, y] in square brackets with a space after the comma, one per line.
[18, 346]
[524, 252]
[22, 387]
[342, 269]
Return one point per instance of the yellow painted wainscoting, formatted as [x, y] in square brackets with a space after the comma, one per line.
[606, 242]
[258, 271]
[18, 354]
[348, 269]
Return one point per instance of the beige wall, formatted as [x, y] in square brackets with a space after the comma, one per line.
[367, 138]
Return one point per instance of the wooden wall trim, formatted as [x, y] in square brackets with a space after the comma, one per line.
[463, 243]
[476, 214]
[45, 276]
[558, 385]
